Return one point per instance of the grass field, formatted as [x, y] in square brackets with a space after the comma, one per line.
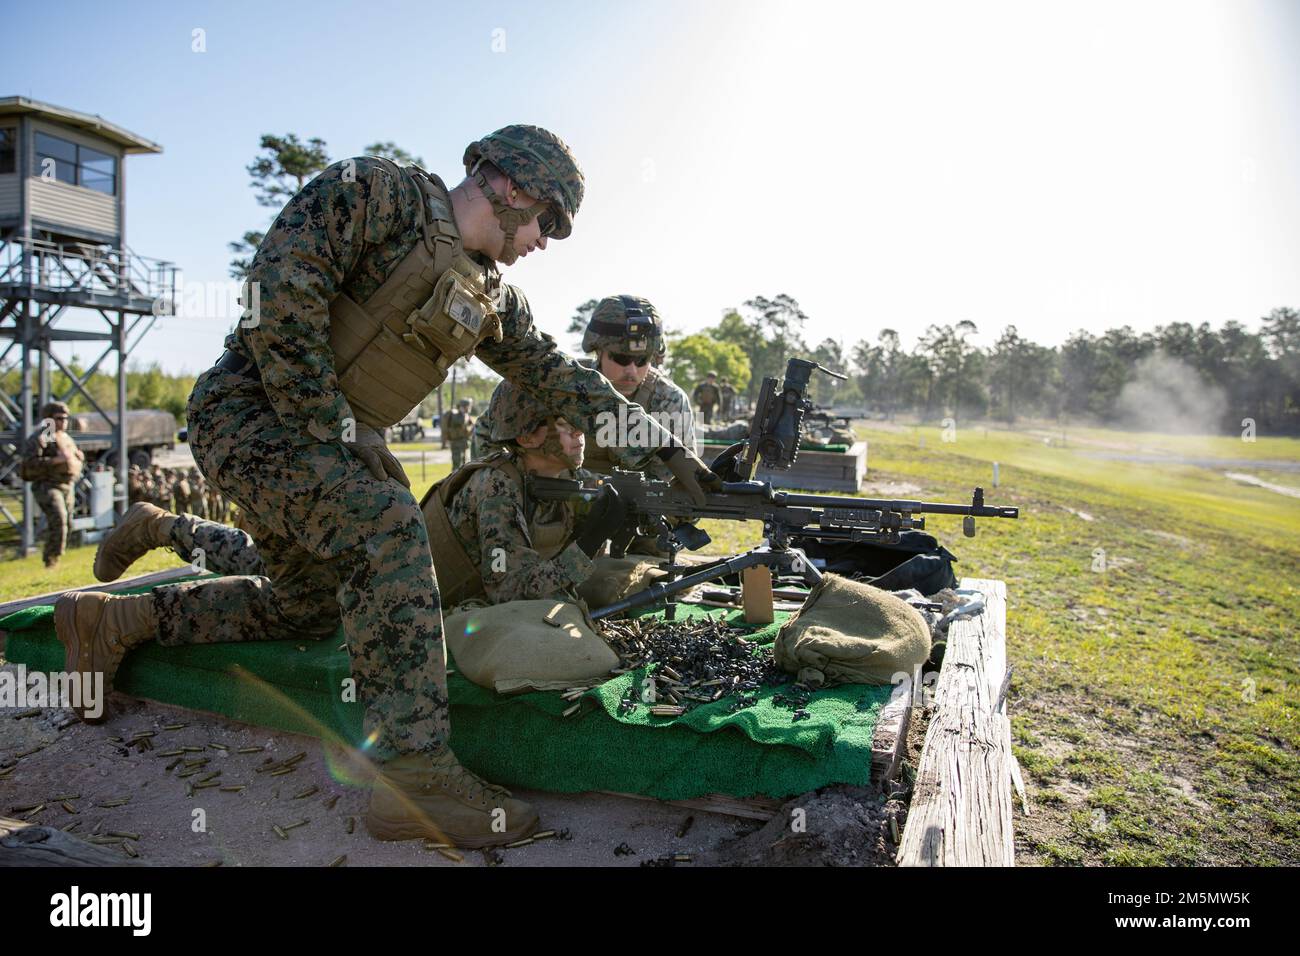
[1155, 695]
[1152, 626]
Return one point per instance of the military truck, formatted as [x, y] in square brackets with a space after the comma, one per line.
[148, 431]
[408, 429]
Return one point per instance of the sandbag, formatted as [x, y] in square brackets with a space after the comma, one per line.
[848, 632]
[527, 645]
[613, 579]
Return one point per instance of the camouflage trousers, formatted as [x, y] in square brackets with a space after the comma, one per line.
[327, 544]
[57, 504]
[458, 450]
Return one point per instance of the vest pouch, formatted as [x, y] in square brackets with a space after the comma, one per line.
[455, 318]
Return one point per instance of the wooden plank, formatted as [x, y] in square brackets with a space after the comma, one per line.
[756, 594]
[961, 803]
[126, 584]
[31, 844]
[890, 736]
[751, 808]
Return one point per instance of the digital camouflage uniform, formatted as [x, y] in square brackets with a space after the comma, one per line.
[459, 425]
[707, 395]
[489, 519]
[336, 543]
[659, 395]
[54, 491]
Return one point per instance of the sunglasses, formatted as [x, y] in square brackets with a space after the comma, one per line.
[548, 222]
[619, 358]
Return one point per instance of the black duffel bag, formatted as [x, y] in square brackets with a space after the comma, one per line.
[918, 561]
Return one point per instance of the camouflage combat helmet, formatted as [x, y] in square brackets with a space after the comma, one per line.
[50, 409]
[627, 324]
[538, 162]
[514, 412]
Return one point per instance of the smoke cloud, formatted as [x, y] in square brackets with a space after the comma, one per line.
[1168, 395]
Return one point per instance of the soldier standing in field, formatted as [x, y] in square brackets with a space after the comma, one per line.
[707, 396]
[52, 462]
[373, 280]
[728, 399]
[457, 427]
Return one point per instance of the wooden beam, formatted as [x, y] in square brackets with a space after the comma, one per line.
[961, 803]
[889, 739]
[126, 584]
[31, 844]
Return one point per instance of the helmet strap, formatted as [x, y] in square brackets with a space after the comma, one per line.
[510, 218]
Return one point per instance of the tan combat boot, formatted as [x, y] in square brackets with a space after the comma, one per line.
[96, 631]
[436, 798]
[143, 528]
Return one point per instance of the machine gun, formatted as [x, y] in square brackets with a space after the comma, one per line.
[657, 508]
[652, 504]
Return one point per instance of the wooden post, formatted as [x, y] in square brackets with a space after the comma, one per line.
[961, 805]
[756, 594]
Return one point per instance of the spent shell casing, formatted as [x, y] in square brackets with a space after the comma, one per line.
[330, 801]
[306, 793]
[121, 834]
[543, 835]
[234, 789]
[681, 858]
[351, 824]
[205, 786]
[144, 733]
[115, 740]
[295, 758]
[173, 765]
[339, 861]
[431, 845]
[71, 826]
[171, 753]
[893, 829]
[29, 751]
[524, 842]
[451, 854]
[115, 802]
[69, 807]
[569, 712]
[282, 771]
[280, 833]
[192, 750]
[29, 712]
[211, 864]
[175, 726]
[208, 776]
[130, 850]
[24, 807]
[294, 826]
[250, 750]
[216, 746]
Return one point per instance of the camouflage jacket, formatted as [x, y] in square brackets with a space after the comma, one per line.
[488, 518]
[344, 232]
[54, 456]
[659, 395]
[706, 394]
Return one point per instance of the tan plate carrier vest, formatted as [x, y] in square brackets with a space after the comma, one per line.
[392, 350]
[458, 578]
[600, 459]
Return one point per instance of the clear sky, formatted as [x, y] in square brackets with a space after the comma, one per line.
[1052, 165]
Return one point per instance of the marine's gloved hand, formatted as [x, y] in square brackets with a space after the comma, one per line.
[608, 514]
[374, 454]
[724, 465]
[690, 474]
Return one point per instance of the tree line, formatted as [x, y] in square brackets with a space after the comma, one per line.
[1178, 376]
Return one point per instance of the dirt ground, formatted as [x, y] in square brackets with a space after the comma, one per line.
[80, 767]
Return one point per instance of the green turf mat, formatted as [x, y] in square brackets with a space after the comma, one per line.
[524, 740]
